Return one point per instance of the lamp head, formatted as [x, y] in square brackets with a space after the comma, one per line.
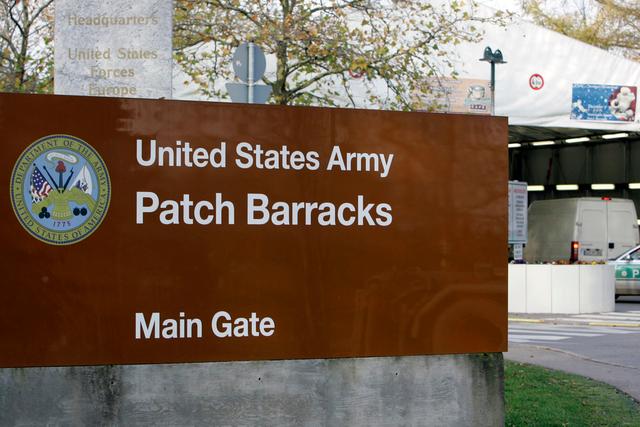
[488, 55]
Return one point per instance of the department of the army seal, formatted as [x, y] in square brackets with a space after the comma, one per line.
[60, 189]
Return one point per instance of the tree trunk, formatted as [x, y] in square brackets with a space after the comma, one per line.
[24, 49]
[280, 89]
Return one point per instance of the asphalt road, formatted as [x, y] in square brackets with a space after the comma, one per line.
[628, 304]
[605, 353]
[622, 349]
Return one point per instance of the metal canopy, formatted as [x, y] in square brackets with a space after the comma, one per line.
[527, 134]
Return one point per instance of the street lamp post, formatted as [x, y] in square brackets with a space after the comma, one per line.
[494, 58]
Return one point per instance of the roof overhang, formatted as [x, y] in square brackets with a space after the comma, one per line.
[529, 134]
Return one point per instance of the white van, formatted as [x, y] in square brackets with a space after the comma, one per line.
[581, 229]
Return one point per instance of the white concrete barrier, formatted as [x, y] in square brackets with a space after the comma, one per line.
[548, 288]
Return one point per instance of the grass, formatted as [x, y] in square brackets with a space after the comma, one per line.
[536, 396]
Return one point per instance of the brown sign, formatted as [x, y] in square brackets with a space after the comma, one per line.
[142, 231]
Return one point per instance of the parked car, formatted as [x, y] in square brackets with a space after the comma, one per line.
[628, 272]
[581, 229]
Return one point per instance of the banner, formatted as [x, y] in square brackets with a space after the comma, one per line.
[154, 231]
[603, 103]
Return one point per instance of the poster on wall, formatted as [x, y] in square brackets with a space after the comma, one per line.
[610, 103]
[518, 212]
[470, 96]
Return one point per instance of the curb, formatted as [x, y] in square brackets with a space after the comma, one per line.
[576, 355]
[523, 320]
[615, 325]
[606, 379]
[568, 322]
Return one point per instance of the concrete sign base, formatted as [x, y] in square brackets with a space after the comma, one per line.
[459, 390]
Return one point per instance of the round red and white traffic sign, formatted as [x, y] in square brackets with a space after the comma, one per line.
[356, 74]
[536, 82]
